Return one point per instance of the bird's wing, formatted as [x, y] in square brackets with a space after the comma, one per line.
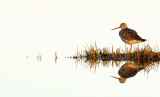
[130, 34]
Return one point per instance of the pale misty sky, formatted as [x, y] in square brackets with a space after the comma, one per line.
[62, 25]
[29, 27]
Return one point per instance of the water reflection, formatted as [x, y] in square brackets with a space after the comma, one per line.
[126, 70]
[39, 57]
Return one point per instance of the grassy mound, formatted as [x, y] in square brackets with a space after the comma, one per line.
[145, 53]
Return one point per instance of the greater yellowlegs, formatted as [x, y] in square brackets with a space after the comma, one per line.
[129, 36]
[128, 70]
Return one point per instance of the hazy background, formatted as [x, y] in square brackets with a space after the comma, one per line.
[62, 25]
[29, 27]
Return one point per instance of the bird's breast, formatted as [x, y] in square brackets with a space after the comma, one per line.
[129, 36]
[123, 36]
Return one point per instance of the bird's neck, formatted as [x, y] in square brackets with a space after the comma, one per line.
[124, 28]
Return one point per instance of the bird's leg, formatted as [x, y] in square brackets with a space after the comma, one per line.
[130, 49]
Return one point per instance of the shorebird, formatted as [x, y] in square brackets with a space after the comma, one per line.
[129, 36]
[128, 70]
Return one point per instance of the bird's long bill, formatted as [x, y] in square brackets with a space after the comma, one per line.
[116, 28]
[121, 79]
[115, 77]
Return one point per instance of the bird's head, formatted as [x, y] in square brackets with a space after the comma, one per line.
[122, 26]
[121, 79]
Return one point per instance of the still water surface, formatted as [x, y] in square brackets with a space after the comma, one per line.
[24, 77]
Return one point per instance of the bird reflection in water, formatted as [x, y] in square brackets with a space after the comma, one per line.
[128, 70]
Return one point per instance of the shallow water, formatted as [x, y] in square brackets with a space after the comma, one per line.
[24, 77]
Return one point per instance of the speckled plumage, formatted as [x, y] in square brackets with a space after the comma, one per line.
[129, 70]
[127, 35]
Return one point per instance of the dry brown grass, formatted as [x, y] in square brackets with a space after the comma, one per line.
[93, 56]
[145, 53]
[56, 57]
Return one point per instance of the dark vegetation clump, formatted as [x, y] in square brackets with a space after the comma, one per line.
[143, 54]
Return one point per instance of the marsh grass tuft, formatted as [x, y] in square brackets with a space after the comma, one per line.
[56, 57]
[145, 53]
[93, 56]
